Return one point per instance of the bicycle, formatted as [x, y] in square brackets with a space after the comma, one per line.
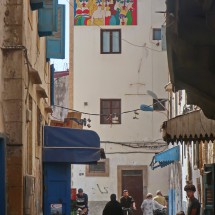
[127, 211]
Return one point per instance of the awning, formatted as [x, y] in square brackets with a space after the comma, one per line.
[193, 126]
[190, 51]
[74, 146]
[165, 158]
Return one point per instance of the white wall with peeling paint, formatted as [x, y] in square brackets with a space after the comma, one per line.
[119, 76]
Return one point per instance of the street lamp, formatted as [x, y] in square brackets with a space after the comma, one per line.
[144, 107]
[148, 108]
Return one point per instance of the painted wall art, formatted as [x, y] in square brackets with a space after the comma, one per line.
[105, 12]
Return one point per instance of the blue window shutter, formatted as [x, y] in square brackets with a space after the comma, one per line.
[47, 18]
[36, 4]
[163, 37]
[55, 45]
[52, 70]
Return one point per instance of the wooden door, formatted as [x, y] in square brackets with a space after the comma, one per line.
[132, 180]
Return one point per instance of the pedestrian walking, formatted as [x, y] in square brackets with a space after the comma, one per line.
[113, 207]
[150, 206]
[160, 198]
[193, 203]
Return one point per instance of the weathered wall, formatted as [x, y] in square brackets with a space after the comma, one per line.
[61, 97]
[126, 76]
[21, 50]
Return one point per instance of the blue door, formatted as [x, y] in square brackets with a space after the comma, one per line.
[2, 176]
[57, 181]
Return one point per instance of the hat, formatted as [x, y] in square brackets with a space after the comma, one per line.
[125, 191]
[158, 192]
[149, 195]
[80, 190]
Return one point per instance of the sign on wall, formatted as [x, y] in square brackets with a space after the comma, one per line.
[105, 12]
[56, 209]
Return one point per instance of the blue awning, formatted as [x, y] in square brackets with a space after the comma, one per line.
[165, 158]
[70, 145]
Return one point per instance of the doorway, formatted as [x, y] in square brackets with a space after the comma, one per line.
[133, 179]
[57, 183]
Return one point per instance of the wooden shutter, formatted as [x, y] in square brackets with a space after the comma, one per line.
[55, 45]
[47, 21]
[36, 4]
[209, 192]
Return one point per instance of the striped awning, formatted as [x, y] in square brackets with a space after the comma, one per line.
[193, 126]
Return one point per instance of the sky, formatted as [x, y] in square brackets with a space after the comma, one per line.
[63, 64]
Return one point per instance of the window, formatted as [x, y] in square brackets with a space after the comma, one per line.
[110, 110]
[111, 41]
[159, 104]
[99, 169]
[156, 34]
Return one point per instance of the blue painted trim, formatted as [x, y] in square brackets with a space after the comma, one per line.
[52, 70]
[57, 184]
[171, 202]
[55, 46]
[2, 176]
[47, 19]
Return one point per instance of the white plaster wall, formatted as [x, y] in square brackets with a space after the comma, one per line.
[89, 184]
[99, 76]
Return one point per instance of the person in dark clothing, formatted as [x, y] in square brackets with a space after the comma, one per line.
[193, 204]
[82, 201]
[113, 207]
[127, 203]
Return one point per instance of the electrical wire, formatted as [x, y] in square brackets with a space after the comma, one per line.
[132, 152]
[97, 114]
[137, 145]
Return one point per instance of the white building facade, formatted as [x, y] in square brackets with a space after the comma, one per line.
[116, 69]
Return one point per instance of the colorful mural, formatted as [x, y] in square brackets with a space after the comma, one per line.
[105, 12]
